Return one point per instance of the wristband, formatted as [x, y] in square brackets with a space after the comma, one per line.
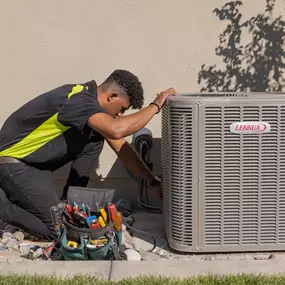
[155, 104]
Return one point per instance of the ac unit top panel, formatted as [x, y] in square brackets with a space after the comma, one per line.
[225, 98]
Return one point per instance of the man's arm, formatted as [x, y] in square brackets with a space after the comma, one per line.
[131, 159]
[124, 126]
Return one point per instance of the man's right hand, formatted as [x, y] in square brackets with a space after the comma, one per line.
[162, 96]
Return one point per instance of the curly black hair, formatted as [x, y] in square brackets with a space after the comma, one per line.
[130, 84]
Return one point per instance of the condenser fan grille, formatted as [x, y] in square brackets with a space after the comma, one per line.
[244, 195]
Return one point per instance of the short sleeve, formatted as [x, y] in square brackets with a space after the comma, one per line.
[76, 111]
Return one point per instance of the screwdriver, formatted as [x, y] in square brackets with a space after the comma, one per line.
[101, 222]
[83, 207]
[55, 218]
[70, 212]
[88, 210]
[118, 221]
[75, 208]
[103, 214]
[97, 209]
[113, 211]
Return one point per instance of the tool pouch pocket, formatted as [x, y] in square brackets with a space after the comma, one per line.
[71, 253]
[88, 241]
[108, 251]
[100, 253]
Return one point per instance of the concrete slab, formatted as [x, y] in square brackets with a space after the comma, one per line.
[152, 224]
[100, 269]
[182, 269]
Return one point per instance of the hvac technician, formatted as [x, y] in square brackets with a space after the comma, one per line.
[69, 123]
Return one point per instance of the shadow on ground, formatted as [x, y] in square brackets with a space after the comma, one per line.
[125, 183]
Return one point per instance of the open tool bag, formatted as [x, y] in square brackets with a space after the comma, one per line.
[90, 227]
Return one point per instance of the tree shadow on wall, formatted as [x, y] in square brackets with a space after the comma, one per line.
[256, 66]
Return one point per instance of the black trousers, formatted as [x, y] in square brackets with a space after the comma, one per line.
[29, 193]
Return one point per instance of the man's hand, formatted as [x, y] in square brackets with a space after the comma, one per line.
[157, 184]
[162, 96]
[131, 159]
[129, 156]
[112, 128]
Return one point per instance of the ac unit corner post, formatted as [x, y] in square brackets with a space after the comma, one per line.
[224, 191]
[180, 173]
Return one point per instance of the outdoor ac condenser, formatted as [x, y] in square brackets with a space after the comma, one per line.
[223, 161]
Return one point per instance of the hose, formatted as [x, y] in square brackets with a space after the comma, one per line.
[142, 232]
[144, 151]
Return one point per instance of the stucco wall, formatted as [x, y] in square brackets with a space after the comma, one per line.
[48, 43]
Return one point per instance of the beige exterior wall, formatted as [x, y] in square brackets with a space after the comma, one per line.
[48, 43]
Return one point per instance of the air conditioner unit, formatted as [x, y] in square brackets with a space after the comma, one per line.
[223, 166]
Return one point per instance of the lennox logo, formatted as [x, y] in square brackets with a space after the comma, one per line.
[249, 127]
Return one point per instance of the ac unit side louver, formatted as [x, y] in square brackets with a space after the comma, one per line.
[223, 166]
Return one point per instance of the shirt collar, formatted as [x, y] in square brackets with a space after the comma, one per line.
[92, 87]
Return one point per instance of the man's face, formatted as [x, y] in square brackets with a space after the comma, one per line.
[117, 105]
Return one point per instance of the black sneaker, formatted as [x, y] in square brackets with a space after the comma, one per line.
[4, 228]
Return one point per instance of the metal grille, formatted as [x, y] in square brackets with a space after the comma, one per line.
[269, 177]
[213, 178]
[244, 178]
[281, 176]
[165, 165]
[177, 150]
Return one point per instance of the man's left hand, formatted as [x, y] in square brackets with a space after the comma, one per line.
[157, 184]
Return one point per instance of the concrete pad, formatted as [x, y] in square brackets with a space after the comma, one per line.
[100, 269]
[149, 223]
[182, 269]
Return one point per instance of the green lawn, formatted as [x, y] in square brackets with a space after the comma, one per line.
[209, 280]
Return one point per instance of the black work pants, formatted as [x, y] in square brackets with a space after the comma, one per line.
[30, 193]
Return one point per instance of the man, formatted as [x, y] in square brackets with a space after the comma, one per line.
[69, 123]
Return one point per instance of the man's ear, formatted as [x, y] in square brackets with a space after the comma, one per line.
[113, 96]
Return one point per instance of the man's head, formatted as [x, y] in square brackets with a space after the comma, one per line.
[120, 91]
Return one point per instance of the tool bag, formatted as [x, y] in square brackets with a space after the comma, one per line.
[83, 236]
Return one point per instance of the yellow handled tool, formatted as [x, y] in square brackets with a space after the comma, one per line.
[104, 215]
[118, 221]
[72, 244]
[101, 222]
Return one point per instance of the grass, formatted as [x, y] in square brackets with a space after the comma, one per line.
[243, 279]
